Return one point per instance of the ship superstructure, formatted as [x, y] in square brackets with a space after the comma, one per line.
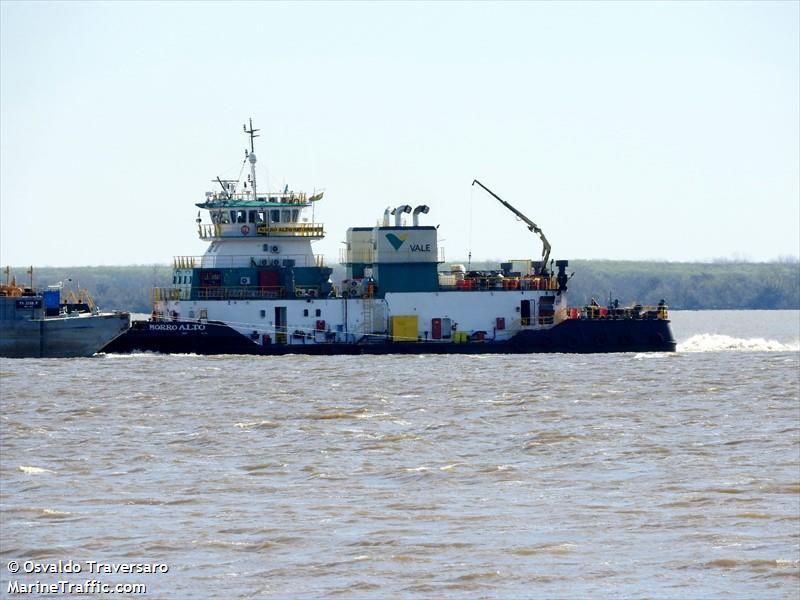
[259, 288]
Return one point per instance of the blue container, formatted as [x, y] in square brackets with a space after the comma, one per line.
[51, 298]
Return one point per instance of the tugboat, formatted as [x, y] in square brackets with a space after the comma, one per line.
[260, 289]
[42, 324]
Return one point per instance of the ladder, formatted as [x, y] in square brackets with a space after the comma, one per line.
[368, 312]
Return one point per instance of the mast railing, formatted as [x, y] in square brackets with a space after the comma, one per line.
[278, 197]
[217, 293]
[239, 293]
[246, 261]
[365, 255]
[161, 294]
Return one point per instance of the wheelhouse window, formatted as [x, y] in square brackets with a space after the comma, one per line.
[275, 216]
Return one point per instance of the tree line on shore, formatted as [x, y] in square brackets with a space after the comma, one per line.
[684, 286]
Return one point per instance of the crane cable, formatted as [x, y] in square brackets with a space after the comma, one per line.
[469, 243]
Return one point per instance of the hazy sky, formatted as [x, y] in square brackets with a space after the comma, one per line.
[625, 130]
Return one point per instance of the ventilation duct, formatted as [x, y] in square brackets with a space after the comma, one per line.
[398, 212]
[422, 208]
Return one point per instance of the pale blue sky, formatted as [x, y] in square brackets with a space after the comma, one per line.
[625, 130]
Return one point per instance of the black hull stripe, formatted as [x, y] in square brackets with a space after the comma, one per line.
[571, 336]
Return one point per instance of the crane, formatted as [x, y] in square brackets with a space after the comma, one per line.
[533, 227]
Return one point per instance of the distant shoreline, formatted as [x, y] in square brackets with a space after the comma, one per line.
[684, 286]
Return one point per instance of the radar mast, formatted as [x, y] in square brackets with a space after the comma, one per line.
[252, 155]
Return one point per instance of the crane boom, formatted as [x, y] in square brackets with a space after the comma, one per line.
[533, 227]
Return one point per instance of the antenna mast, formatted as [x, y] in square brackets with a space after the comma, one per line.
[252, 156]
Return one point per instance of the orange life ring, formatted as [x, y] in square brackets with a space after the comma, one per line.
[245, 230]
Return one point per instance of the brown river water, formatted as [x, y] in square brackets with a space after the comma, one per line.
[546, 476]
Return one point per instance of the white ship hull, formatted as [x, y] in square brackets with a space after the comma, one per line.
[319, 320]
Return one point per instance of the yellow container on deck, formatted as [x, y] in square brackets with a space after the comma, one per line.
[460, 337]
[405, 328]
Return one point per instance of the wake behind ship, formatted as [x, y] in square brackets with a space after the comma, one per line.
[260, 289]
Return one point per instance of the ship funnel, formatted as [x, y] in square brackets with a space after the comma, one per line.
[422, 208]
[398, 212]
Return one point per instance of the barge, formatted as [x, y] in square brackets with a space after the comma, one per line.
[43, 324]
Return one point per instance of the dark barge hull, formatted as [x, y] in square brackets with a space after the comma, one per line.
[60, 337]
[582, 336]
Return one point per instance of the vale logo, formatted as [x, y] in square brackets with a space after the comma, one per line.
[396, 240]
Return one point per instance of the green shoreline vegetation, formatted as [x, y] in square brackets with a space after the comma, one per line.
[684, 286]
